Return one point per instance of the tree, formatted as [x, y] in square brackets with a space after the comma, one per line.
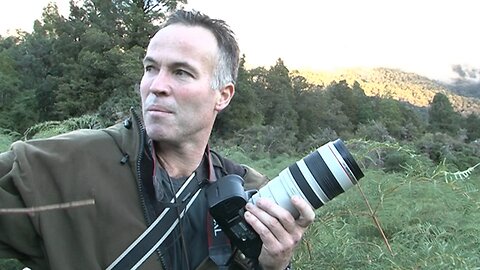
[280, 97]
[472, 125]
[365, 109]
[139, 19]
[307, 101]
[441, 116]
[243, 111]
[101, 45]
[10, 82]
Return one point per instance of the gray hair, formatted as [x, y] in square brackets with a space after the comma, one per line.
[226, 69]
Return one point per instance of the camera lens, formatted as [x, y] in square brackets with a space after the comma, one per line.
[318, 178]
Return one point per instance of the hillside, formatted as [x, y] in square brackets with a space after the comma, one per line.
[465, 87]
[392, 83]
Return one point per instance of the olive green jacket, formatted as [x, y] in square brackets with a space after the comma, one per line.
[103, 165]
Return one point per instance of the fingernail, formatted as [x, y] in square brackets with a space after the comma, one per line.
[259, 202]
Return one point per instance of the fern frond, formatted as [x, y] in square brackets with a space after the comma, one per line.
[459, 175]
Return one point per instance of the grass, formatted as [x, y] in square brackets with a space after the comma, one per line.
[429, 221]
[428, 224]
[5, 142]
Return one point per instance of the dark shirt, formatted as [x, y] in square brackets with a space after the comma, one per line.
[187, 245]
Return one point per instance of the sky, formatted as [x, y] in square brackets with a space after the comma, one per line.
[422, 36]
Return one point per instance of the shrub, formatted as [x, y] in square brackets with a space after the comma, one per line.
[273, 140]
[441, 147]
[5, 142]
[7, 137]
[374, 131]
[396, 161]
[315, 140]
[10, 264]
[52, 128]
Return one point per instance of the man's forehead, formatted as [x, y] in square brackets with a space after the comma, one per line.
[190, 40]
[180, 32]
[181, 45]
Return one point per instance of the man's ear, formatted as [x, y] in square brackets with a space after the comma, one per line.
[224, 97]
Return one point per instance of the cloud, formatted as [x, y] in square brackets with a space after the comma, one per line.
[473, 73]
[466, 72]
[458, 69]
[467, 82]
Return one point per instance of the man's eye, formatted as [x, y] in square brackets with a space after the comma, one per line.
[182, 73]
[148, 68]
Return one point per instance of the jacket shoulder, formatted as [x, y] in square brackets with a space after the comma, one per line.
[252, 178]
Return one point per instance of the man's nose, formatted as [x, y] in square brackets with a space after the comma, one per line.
[160, 83]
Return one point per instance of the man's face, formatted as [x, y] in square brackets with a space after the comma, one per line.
[178, 102]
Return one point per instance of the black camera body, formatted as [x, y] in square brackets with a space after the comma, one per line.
[226, 200]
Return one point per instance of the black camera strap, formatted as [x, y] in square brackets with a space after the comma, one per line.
[158, 231]
[219, 248]
[152, 238]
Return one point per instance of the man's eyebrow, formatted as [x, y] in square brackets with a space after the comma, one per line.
[183, 64]
[148, 59]
[174, 65]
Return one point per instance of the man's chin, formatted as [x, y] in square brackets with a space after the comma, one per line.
[157, 134]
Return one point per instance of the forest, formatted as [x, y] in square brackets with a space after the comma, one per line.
[82, 71]
[90, 64]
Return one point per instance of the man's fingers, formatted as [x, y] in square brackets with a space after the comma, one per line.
[258, 221]
[307, 215]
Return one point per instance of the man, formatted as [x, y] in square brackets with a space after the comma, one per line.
[133, 170]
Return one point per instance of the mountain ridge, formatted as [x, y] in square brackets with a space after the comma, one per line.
[404, 86]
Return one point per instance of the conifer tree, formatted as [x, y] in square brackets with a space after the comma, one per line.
[441, 116]
[243, 111]
[280, 111]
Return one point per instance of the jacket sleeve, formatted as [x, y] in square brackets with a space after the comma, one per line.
[18, 238]
[253, 179]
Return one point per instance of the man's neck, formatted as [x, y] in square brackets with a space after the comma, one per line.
[179, 161]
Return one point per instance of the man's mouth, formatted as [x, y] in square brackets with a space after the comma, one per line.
[158, 109]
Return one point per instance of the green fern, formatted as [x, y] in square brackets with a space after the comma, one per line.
[52, 128]
[460, 175]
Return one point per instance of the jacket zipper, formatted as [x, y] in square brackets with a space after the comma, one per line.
[139, 181]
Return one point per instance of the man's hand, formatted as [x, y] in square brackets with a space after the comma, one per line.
[279, 231]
